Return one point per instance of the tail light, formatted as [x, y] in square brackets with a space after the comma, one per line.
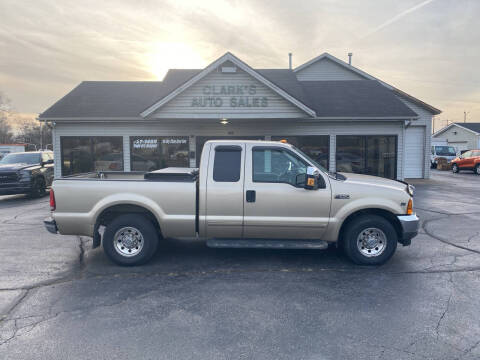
[53, 205]
[410, 207]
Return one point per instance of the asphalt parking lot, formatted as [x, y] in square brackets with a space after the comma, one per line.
[59, 299]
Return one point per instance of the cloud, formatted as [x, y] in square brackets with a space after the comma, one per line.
[427, 49]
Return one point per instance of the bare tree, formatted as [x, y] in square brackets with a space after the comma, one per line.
[6, 133]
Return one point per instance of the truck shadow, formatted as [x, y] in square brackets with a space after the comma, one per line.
[188, 257]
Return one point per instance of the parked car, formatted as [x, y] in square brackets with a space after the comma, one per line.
[26, 173]
[442, 151]
[246, 194]
[469, 160]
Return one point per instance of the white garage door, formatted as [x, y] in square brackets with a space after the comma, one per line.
[414, 154]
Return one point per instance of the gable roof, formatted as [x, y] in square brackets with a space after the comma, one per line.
[362, 73]
[472, 127]
[228, 57]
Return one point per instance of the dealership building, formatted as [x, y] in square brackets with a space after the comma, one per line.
[342, 117]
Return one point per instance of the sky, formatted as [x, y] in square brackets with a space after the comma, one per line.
[427, 48]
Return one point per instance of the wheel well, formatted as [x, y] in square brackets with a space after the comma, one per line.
[379, 212]
[108, 214]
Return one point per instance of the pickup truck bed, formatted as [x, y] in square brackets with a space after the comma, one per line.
[106, 189]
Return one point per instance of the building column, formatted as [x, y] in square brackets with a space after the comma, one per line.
[332, 166]
[192, 147]
[126, 153]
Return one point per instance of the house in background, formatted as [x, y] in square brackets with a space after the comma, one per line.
[342, 117]
[462, 136]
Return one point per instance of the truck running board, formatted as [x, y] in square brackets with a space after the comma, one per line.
[267, 244]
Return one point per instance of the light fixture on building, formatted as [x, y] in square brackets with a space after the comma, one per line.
[224, 121]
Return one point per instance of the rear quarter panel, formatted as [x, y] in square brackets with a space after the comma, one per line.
[80, 202]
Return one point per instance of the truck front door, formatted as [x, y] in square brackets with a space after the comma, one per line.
[274, 207]
[224, 191]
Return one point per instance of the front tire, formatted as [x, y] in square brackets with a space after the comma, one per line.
[455, 168]
[130, 240]
[370, 240]
[38, 188]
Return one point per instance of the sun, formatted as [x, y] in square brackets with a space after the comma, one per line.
[172, 55]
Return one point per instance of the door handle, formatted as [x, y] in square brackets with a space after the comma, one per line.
[251, 196]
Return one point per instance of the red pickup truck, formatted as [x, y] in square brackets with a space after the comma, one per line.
[469, 160]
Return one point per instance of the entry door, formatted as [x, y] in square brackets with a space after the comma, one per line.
[414, 152]
[274, 207]
[224, 200]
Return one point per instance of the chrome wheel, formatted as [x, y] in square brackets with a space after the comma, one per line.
[128, 241]
[371, 242]
[455, 168]
[477, 169]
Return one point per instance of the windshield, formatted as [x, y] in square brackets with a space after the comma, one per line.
[21, 158]
[445, 150]
[317, 165]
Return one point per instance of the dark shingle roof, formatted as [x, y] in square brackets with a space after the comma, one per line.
[471, 126]
[117, 99]
[354, 98]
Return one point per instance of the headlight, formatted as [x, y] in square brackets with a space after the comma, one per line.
[410, 189]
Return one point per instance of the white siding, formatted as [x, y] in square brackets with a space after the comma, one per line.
[414, 152]
[246, 128]
[181, 105]
[424, 120]
[326, 69]
[463, 137]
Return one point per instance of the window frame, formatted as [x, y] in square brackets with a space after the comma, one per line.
[227, 148]
[277, 148]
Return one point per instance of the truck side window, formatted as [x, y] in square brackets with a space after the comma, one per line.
[276, 166]
[227, 162]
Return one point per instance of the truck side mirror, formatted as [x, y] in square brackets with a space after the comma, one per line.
[308, 182]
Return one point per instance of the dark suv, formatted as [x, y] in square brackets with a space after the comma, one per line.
[26, 173]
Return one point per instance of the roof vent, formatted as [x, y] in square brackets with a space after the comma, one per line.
[290, 61]
[350, 58]
[229, 69]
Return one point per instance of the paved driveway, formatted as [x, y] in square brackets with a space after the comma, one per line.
[59, 299]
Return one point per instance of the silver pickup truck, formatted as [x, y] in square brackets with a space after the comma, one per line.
[246, 194]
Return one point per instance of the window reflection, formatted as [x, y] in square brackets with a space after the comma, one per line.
[91, 153]
[150, 153]
[316, 147]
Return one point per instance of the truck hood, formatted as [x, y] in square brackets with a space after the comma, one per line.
[373, 180]
[15, 167]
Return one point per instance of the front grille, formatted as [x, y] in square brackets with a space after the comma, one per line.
[8, 177]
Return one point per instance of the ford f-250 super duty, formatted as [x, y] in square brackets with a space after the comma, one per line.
[246, 194]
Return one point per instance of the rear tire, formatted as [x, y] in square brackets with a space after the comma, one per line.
[130, 239]
[455, 168]
[477, 169]
[369, 240]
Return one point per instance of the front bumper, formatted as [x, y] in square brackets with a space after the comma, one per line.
[410, 225]
[15, 188]
[50, 225]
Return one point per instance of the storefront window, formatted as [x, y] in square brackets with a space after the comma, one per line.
[91, 153]
[315, 146]
[149, 153]
[371, 155]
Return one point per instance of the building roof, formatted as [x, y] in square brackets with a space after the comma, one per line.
[471, 127]
[367, 76]
[354, 99]
[128, 99]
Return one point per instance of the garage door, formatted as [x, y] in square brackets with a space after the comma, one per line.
[414, 154]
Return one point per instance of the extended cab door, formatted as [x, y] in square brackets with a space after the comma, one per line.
[274, 207]
[224, 191]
